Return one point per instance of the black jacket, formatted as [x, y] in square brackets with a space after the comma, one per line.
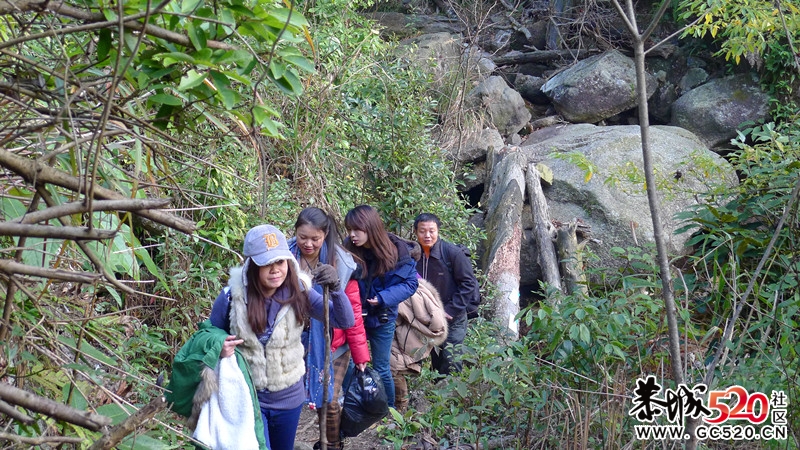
[455, 290]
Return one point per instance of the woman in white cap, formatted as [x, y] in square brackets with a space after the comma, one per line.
[264, 308]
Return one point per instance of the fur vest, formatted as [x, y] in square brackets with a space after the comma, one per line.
[278, 364]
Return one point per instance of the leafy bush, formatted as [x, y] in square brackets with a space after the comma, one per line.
[747, 256]
[563, 382]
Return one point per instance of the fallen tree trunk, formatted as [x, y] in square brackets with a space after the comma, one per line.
[504, 233]
[541, 56]
[543, 230]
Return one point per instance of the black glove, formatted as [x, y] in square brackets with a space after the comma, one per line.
[325, 275]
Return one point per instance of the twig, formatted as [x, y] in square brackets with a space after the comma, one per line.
[127, 426]
[68, 209]
[15, 414]
[722, 348]
[58, 411]
[11, 267]
[49, 231]
[96, 21]
[35, 172]
[41, 439]
[788, 36]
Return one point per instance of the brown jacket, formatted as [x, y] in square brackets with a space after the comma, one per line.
[421, 325]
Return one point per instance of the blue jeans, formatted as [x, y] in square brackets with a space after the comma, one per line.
[380, 345]
[280, 427]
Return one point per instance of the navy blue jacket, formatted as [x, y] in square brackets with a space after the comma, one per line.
[391, 289]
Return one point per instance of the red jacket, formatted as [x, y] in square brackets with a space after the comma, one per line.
[355, 335]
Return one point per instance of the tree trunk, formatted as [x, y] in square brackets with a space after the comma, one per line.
[543, 230]
[667, 293]
[504, 233]
[559, 7]
[571, 260]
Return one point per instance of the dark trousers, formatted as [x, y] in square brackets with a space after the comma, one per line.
[444, 359]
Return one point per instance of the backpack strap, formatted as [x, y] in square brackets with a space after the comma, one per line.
[447, 257]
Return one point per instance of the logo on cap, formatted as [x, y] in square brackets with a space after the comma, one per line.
[271, 240]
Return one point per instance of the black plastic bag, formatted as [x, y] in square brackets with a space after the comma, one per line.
[364, 403]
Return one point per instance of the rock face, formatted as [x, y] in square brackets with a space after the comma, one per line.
[596, 88]
[617, 210]
[715, 110]
[502, 105]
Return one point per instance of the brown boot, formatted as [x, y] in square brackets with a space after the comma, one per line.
[400, 392]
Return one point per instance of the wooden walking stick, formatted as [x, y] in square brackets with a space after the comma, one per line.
[326, 374]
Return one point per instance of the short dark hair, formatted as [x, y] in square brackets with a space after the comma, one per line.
[427, 217]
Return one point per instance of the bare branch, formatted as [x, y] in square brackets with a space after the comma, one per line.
[127, 426]
[628, 24]
[58, 411]
[14, 413]
[656, 18]
[95, 21]
[67, 209]
[49, 231]
[695, 22]
[98, 264]
[35, 172]
[540, 56]
[11, 267]
[41, 439]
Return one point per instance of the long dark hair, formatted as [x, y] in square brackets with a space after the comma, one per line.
[257, 301]
[317, 218]
[365, 218]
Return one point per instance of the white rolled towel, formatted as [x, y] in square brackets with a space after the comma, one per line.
[227, 420]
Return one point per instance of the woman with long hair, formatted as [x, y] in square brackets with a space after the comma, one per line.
[388, 276]
[264, 309]
[317, 241]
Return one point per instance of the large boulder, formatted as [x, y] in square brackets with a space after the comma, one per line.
[530, 88]
[499, 104]
[475, 144]
[593, 168]
[596, 88]
[439, 53]
[715, 110]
